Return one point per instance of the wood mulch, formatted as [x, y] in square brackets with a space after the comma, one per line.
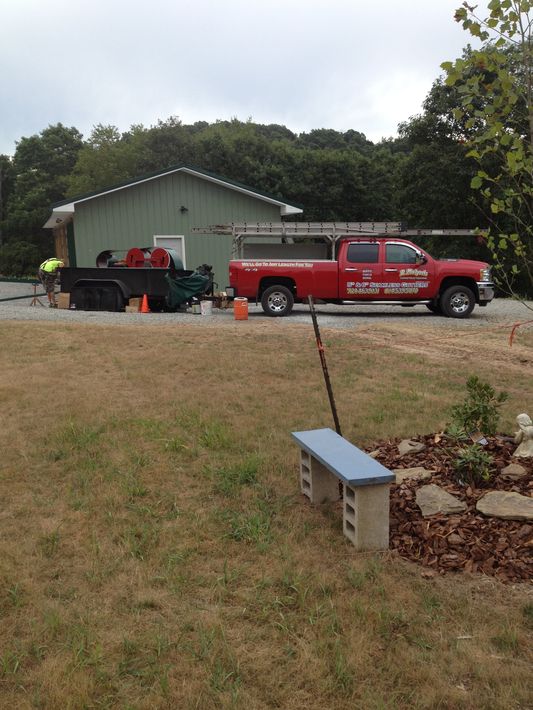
[460, 542]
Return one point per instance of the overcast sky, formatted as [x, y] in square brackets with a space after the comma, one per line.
[343, 64]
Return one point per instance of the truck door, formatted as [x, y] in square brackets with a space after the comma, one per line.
[360, 271]
[407, 272]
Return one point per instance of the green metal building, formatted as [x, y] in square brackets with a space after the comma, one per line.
[161, 209]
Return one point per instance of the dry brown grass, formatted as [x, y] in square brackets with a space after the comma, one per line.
[155, 551]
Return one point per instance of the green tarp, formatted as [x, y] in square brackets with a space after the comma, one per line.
[182, 289]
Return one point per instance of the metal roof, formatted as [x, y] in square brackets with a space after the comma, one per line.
[63, 211]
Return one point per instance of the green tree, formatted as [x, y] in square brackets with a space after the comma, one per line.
[435, 175]
[41, 166]
[7, 182]
[107, 158]
[19, 259]
[496, 88]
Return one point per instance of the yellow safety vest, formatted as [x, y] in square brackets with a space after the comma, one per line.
[51, 265]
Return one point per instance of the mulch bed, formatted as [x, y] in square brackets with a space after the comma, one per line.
[467, 541]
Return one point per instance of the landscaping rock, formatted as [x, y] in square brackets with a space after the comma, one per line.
[513, 472]
[418, 472]
[462, 542]
[506, 505]
[407, 446]
[432, 499]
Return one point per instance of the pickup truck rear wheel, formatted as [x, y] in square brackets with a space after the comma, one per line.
[277, 301]
[458, 302]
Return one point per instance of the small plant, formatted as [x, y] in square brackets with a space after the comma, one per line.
[244, 473]
[456, 432]
[472, 465]
[49, 543]
[527, 612]
[479, 411]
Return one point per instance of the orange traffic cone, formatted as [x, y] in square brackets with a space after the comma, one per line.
[144, 305]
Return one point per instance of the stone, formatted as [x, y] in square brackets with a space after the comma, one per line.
[418, 472]
[374, 454]
[408, 446]
[506, 505]
[432, 499]
[513, 472]
[455, 539]
[524, 436]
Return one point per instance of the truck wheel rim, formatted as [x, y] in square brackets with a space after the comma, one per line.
[277, 302]
[460, 303]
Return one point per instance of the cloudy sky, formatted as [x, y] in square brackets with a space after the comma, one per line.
[302, 63]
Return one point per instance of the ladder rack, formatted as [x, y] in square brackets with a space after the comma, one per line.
[331, 232]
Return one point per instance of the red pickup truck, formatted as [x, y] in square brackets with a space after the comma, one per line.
[370, 270]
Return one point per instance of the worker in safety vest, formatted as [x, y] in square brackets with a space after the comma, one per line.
[48, 275]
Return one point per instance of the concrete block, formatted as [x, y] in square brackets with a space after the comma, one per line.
[316, 482]
[366, 516]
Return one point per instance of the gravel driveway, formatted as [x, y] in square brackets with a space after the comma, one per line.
[497, 312]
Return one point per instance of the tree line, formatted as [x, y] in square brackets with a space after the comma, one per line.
[421, 180]
[434, 174]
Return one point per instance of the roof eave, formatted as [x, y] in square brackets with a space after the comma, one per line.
[59, 217]
[284, 206]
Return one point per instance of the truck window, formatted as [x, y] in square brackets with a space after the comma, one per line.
[400, 254]
[363, 253]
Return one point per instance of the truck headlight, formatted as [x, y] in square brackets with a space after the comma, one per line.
[484, 274]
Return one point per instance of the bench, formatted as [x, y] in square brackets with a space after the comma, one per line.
[326, 458]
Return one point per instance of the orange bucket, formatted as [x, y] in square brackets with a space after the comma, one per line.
[240, 308]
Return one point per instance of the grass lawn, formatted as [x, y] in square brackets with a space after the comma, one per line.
[155, 551]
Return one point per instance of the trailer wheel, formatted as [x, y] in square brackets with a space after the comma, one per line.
[277, 301]
[458, 302]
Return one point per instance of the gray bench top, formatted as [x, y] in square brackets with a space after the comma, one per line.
[353, 466]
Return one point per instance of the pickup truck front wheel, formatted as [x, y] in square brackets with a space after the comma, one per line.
[277, 301]
[458, 302]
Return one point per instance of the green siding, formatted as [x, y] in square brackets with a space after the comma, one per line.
[132, 216]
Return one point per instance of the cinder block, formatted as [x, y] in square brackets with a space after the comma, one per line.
[316, 482]
[366, 516]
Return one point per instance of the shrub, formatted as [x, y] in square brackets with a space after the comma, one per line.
[472, 465]
[19, 259]
[479, 411]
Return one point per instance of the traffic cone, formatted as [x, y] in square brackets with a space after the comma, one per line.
[144, 305]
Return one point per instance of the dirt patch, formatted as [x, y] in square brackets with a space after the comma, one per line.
[459, 542]
[448, 344]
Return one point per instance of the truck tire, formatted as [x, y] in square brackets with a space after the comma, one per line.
[458, 302]
[277, 301]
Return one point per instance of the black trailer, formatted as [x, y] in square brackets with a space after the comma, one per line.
[109, 289]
